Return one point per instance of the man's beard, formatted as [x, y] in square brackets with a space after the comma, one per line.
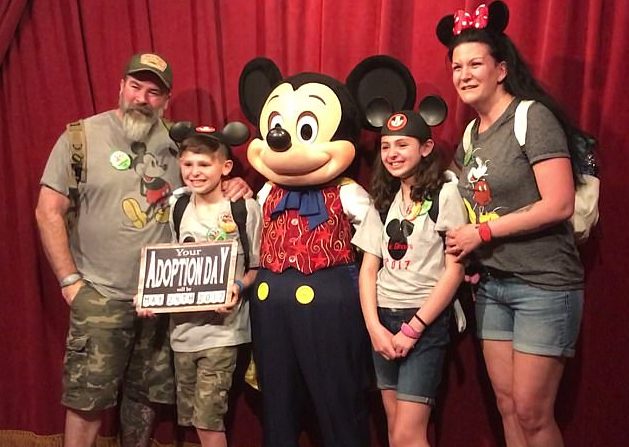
[137, 121]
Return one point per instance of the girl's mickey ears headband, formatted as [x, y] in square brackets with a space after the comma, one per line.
[493, 18]
[383, 85]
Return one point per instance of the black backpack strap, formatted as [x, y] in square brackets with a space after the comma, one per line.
[433, 212]
[178, 210]
[239, 213]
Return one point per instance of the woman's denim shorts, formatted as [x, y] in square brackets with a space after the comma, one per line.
[416, 377]
[537, 321]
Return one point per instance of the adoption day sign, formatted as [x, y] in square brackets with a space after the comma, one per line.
[186, 277]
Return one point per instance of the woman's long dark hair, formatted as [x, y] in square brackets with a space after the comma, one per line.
[520, 83]
[428, 175]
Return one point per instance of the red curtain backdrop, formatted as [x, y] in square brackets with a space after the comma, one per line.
[62, 59]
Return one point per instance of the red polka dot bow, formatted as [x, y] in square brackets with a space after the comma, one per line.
[463, 20]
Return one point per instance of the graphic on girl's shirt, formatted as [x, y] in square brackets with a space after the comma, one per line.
[153, 188]
[399, 231]
[479, 212]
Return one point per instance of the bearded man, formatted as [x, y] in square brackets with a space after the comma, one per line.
[131, 168]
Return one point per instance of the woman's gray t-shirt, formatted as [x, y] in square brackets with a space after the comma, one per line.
[497, 179]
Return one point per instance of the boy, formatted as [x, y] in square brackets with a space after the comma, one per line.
[206, 343]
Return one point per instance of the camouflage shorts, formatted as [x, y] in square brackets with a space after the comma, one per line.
[108, 347]
[203, 382]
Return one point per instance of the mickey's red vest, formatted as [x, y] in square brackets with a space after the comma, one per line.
[287, 241]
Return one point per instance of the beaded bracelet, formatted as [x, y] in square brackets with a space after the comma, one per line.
[408, 330]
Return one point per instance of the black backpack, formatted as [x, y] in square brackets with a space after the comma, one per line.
[239, 213]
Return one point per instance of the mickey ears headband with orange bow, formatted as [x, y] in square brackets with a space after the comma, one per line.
[493, 18]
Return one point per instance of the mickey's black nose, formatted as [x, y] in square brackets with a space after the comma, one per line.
[278, 139]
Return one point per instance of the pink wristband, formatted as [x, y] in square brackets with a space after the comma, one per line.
[408, 330]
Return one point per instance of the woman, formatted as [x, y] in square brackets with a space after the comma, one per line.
[530, 296]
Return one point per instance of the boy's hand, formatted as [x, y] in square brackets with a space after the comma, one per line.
[235, 299]
[143, 313]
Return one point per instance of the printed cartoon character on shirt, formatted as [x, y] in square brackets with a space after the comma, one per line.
[477, 177]
[153, 188]
[307, 324]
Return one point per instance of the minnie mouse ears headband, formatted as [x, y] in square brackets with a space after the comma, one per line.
[493, 18]
[233, 134]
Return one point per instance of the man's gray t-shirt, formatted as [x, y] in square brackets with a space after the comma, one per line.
[497, 179]
[122, 208]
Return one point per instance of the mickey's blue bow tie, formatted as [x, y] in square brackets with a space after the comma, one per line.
[310, 203]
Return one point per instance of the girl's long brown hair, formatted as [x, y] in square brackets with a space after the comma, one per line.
[428, 175]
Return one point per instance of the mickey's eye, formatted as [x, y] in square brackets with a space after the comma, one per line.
[275, 119]
[307, 127]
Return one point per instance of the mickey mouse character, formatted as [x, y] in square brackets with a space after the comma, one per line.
[153, 187]
[306, 318]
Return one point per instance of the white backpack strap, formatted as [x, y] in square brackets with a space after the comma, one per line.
[459, 315]
[520, 121]
[467, 137]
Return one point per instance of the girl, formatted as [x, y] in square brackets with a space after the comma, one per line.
[405, 302]
[530, 297]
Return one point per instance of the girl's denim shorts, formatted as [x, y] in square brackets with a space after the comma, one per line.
[415, 377]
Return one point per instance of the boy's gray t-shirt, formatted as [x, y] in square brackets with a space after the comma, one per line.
[497, 179]
[196, 331]
[123, 207]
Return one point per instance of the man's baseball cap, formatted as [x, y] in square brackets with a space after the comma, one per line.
[151, 62]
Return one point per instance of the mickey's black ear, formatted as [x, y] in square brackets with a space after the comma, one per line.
[235, 133]
[445, 32]
[179, 131]
[433, 110]
[498, 17]
[138, 148]
[381, 85]
[257, 79]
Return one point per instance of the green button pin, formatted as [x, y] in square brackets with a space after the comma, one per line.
[120, 160]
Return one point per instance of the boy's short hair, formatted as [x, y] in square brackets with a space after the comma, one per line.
[204, 144]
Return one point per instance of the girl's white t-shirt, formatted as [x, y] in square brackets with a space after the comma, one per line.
[412, 251]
